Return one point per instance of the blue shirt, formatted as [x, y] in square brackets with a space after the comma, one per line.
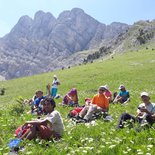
[125, 95]
[37, 100]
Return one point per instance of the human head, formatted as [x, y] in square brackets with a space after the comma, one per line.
[55, 77]
[48, 104]
[39, 93]
[106, 87]
[72, 92]
[145, 97]
[121, 87]
[101, 89]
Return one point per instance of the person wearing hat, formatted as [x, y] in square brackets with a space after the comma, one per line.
[123, 96]
[145, 112]
[54, 87]
[51, 126]
[98, 103]
[108, 93]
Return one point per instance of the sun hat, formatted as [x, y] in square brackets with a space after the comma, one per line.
[55, 76]
[121, 86]
[144, 94]
[106, 87]
[102, 88]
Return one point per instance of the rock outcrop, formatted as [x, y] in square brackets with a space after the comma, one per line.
[41, 44]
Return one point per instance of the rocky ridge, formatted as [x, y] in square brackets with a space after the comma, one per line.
[45, 43]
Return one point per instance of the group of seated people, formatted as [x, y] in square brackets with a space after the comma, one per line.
[51, 125]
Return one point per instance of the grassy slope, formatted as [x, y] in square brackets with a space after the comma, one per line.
[134, 69]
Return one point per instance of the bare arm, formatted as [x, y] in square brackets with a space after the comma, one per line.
[36, 122]
[48, 89]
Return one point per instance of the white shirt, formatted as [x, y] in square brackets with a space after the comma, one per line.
[56, 120]
[55, 83]
[150, 107]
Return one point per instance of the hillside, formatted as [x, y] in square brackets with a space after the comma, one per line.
[134, 69]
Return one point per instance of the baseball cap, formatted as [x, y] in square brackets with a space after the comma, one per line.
[144, 94]
[121, 86]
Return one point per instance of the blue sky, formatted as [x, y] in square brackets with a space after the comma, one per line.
[105, 11]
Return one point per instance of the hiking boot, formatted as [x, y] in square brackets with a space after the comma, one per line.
[82, 121]
[78, 117]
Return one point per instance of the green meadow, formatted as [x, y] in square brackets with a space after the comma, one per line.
[136, 70]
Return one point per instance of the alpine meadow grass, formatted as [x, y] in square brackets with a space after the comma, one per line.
[136, 70]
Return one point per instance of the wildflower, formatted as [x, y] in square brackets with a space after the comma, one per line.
[129, 149]
[29, 152]
[103, 133]
[107, 142]
[150, 146]
[72, 152]
[132, 141]
[99, 152]
[111, 146]
[102, 146]
[84, 151]
[103, 140]
[90, 140]
[125, 152]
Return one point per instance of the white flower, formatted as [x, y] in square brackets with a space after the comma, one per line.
[84, 151]
[102, 146]
[111, 146]
[125, 152]
[129, 149]
[150, 146]
[90, 140]
[132, 142]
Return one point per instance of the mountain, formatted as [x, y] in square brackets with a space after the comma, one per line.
[46, 43]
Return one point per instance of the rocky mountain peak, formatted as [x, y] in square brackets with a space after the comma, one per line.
[23, 25]
[44, 43]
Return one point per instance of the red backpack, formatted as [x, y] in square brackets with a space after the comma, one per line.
[75, 112]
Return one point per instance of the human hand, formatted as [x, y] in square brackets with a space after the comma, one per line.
[143, 109]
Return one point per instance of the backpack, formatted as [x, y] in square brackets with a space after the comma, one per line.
[75, 112]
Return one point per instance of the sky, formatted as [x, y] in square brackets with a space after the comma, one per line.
[105, 11]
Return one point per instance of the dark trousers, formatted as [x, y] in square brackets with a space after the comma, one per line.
[126, 116]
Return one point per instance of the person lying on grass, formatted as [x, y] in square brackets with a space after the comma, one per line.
[123, 96]
[51, 126]
[145, 112]
[99, 103]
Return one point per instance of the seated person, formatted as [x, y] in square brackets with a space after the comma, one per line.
[99, 103]
[36, 107]
[71, 98]
[145, 111]
[51, 126]
[108, 93]
[123, 96]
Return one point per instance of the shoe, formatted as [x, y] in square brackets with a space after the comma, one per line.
[81, 121]
[78, 117]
